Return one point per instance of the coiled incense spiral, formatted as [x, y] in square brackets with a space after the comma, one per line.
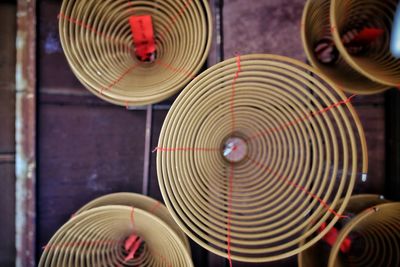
[372, 69]
[377, 239]
[97, 40]
[255, 153]
[318, 254]
[141, 202]
[97, 237]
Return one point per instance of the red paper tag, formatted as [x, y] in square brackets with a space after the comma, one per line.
[143, 36]
[133, 250]
[331, 237]
[130, 241]
[368, 35]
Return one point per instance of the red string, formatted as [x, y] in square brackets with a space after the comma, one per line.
[155, 207]
[175, 18]
[133, 218]
[130, 6]
[300, 119]
[181, 11]
[113, 83]
[231, 175]
[297, 186]
[187, 73]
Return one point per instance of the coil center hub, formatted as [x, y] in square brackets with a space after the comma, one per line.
[234, 149]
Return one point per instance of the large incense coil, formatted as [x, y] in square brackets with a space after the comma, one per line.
[141, 202]
[318, 254]
[361, 74]
[96, 238]
[97, 41]
[377, 242]
[284, 113]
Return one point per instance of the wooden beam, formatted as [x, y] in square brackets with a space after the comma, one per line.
[216, 54]
[7, 158]
[147, 150]
[25, 133]
[7, 132]
[392, 110]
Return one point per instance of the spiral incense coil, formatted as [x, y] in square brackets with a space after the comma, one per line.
[141, 202]
[255, 150]
[96, 238]
[376, 241]
[318, 254]
[97, 41]
[361, 74]
[377, 64]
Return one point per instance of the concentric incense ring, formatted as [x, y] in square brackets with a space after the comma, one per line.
[303, 154]
[97, 41]
[378, 64]
[96, 238]
[318, 254]
[371, 72]
[140, 202]
[378, 239]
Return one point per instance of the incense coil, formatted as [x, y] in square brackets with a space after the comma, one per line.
[377, 242]
[318, 254]
[97, 41]
[288, 115]
[96, 238]
[371, 72]
[140, 202]
[378, 64]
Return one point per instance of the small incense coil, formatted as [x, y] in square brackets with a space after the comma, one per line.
[377, 64]
[96, 238]
[318, 254]
[141, 202]
[372, 71]
[378, 239]
[97, 40]
[300, 147]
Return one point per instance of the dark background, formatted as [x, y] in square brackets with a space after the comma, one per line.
[87, 148]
